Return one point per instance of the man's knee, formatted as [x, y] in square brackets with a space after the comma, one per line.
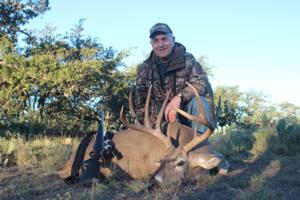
[192, 108]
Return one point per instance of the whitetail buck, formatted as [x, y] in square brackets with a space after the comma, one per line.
[179, 154]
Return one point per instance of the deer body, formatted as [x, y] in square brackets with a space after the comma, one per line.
[141, 151]
[179, 154]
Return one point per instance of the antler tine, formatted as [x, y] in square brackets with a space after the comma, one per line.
[133, 114]
[161, 111]
[211, 98]
[200, 138]
[218, 111]
[128, 125]
[201, 119]
[197, 139]
[155, 132]
[158, 134]
[147, 122]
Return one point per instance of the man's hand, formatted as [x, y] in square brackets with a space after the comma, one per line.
[170, 114]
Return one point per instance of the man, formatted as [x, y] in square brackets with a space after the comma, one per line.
[169, 66]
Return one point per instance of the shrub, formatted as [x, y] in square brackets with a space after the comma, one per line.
[262, 140]
[286, 125]
[234, 142]
[288, 136]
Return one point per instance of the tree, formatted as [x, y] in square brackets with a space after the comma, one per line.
[256, 104]
[289, 109]
[207, 68]
[67, 80]
[16, 13]
[230, 111]
[245, 109]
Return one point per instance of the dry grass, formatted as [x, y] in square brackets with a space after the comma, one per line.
[257, 172]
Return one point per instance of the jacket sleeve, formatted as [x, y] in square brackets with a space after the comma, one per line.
[197, 77]
[140, 91]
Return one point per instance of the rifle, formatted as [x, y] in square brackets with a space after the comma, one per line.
[92, 165]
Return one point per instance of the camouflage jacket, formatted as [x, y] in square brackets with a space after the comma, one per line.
[183, 67]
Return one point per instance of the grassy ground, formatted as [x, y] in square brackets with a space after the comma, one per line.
[261, 168]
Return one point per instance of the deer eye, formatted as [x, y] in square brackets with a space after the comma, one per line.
[180, 163]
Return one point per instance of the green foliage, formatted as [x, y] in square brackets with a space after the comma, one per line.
[230, 99]
[61, 83]
[286, 126]
[250, 109]
[235, 142]
[289, 109]
[288, 131]
[259, 141]
[255, 102]
[234, 109]
[281, 126]
[262, 141]
[205, 65]
[16, 13]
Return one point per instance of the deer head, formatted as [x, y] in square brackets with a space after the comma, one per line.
[178, 163]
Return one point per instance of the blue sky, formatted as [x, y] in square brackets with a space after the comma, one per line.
[252, 44]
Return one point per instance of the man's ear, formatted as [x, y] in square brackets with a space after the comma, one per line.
[151, 43]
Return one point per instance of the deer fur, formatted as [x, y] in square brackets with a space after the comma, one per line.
[179, 154]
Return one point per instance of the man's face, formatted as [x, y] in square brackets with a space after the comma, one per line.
[162, 44]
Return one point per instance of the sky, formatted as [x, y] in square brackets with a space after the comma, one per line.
[251, 44]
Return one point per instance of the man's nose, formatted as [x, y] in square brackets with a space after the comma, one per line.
[160, 44]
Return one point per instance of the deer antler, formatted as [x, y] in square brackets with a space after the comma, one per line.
[147, 128]
[201, 118]
[133, 114]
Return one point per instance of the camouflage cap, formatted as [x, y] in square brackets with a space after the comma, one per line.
[160, 28]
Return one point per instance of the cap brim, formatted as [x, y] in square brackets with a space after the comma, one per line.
[156, 33]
